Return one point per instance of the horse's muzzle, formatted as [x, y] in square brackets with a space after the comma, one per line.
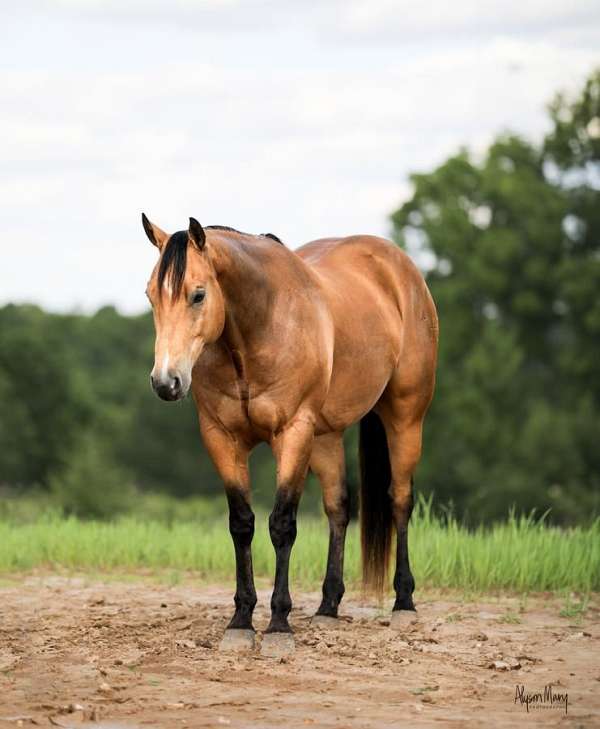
[168, 388]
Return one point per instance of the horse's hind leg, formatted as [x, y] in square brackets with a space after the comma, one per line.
[403, 422]
[327, 463]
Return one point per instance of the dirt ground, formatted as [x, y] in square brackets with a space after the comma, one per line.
[81, 652]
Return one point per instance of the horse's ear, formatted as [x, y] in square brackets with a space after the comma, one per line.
[196, 233]
[156, 236]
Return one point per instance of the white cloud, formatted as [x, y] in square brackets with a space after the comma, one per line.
[474, 16]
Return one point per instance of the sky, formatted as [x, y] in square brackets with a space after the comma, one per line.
[300, 118]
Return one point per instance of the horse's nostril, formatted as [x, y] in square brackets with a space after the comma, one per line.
[176, 384]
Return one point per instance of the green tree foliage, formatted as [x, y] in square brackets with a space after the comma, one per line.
[91, 483]
[513, 247]
[43, 402]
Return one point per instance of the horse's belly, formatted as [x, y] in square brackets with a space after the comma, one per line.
[355, 388]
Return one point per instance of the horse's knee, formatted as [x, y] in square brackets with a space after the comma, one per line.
[282, 521]
[241, 518]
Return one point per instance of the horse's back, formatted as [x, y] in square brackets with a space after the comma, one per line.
[365, 253]
[384, 318]
[377, 270]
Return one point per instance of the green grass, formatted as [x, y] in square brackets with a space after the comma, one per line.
[521, 554]
[574, 609]
[509, 618]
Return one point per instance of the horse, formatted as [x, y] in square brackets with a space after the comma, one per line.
[292, 347]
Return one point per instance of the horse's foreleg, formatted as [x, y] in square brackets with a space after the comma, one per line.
[241, 528]
[327, 463]
[292, 450]
[231, 460]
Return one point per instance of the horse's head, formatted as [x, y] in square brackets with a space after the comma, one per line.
[187, 303]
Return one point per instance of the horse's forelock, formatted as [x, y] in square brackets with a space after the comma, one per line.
[173, 263]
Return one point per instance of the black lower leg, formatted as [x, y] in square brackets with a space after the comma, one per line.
[333, 585]
[404, 583]
[282, 527]
[241, 526]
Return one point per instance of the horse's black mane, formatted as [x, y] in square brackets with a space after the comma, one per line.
[174, 259]
[272, 236]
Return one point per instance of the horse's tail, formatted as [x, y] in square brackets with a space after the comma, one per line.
[376, 518]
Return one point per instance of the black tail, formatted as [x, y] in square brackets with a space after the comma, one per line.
[376, 518]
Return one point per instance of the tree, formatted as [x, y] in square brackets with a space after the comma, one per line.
[513, 245]
[91, 483]
[44, 405]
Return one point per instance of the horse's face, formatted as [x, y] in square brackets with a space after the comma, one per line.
[187, 304]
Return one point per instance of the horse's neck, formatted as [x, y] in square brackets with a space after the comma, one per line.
[248, 293]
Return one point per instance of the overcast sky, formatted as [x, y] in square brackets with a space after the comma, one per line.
[302, 118]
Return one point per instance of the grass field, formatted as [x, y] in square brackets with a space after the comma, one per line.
[521, 554]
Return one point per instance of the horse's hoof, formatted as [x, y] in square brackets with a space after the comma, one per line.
[401, 619]
[325, 621]
[277, 645]
[237, 639]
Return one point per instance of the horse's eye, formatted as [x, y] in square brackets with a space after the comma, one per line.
[198, 296]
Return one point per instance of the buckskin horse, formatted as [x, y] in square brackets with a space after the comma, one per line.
[291, 348]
